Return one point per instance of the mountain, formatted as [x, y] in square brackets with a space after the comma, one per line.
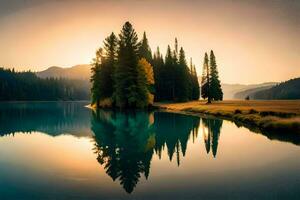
[230, 90]
[249, 92]
[81, 72]
[285, 90]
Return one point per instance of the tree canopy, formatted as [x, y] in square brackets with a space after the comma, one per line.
[126, 75]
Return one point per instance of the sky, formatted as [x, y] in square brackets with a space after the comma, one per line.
[254, 41]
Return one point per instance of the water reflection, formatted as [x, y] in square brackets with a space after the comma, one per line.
[126, 141]
[53, 118]
[211, 134]
[124, 144]
[132, 147]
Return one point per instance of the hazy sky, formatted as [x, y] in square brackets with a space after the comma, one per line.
[254, 41]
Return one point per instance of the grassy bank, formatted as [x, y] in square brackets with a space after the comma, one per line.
[277, 116]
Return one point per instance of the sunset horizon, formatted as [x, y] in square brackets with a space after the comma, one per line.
[149, 99]
[250, 39]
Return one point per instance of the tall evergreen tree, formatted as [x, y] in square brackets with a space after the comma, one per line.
[195, 83]
[158, 65]
[205, 80]
[144, 49]
[168, 74]
[215, 84]
[128, 92]
[96, 76]
[182, 78]
[108, 66]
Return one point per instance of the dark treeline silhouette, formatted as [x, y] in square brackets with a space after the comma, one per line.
[174, 80]
[286, 90]
[52, 118]
[21, 86]
[125, 142]
[126, 74]
[210, 83]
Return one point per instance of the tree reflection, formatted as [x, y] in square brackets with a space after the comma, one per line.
[211, 134]
[124, 144]
[126, 141]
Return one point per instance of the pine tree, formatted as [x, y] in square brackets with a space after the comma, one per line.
[144, 49]
[128, 90]
[205, 80]
[158, 65]
[182, 78]
[195, 83]
[215, 84]
[168, 73]
[107, 69]
[95, 78]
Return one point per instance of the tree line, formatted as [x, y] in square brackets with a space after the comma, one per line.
[285, 90]
[125, 74]
[21, 86]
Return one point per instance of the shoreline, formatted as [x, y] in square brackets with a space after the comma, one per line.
[252, 116]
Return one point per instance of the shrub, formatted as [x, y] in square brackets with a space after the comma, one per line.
[252, 111]
[237, 111]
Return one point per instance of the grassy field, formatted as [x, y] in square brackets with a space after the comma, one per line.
[265, 115]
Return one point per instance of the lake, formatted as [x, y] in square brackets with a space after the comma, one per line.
[62, 150]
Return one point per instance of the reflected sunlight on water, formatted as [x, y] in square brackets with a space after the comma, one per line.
[123, 155]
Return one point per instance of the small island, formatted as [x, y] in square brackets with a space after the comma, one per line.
[125, 75]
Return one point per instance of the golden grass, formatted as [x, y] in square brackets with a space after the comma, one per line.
[244, 106]
[267, 115]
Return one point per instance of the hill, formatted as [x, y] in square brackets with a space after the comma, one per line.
[80, 72]
[249, 92]
[27, 86]
[230, 90]
[285, 90]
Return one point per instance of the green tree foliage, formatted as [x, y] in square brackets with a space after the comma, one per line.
[210, 83]
[121, 73]
[182, 79]
[110, 47]
[26, 86]
[144, 49]
[127, 91]
[195, 91]
[158, 67]
[96, 77]
[215, 84]
[205, 78]
[102, 71]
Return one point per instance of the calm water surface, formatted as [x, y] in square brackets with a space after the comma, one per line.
[65, 151]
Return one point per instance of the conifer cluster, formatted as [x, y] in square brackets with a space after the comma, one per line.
[210, 83]
[126, 75]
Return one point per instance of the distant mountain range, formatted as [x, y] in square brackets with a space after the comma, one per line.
[250, 92]
[286, 90]
[240, 91]
[80, 72]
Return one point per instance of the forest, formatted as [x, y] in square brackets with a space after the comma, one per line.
[21, 86]
[126, 74]
[286, 90]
